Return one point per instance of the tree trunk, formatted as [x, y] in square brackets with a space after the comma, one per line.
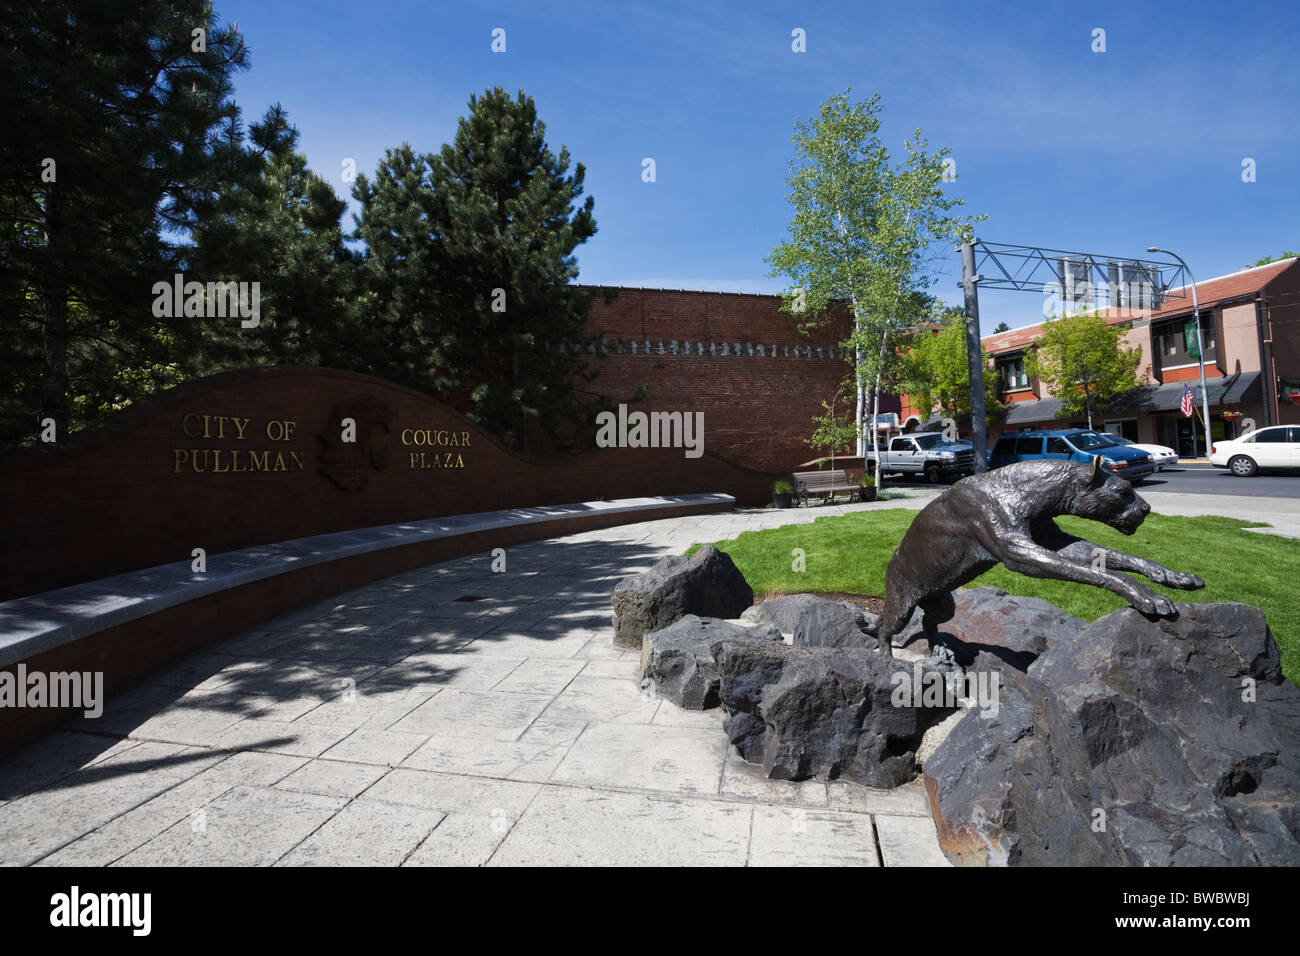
[875, 408]
[833, 436]
[860, 402]
[860, 397]
[54, 385]
[875, 436]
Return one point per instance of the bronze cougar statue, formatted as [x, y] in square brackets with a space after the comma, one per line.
[1006, 516]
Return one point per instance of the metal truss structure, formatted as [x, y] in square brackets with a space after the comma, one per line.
[1080, 279]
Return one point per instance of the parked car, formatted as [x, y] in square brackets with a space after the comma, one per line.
[1072, 445]
[1162, 455]
[1277, 446]
[924, 453]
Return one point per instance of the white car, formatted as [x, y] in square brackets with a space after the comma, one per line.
[1277, 446]
[1162, 455]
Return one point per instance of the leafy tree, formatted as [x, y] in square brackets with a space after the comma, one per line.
[1001, 327]
[834, 181]
[836, 430]
[468, 264]
[1081, 361]
[935, 372]
[864, 230]
[1286, 254]
[119, 135]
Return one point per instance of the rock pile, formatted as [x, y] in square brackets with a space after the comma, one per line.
[1136, 742]
[1124, 741]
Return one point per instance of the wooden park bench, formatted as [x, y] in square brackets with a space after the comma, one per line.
[823, 484]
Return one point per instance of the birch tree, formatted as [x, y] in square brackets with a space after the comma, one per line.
[866, 232]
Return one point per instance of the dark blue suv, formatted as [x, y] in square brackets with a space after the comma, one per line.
[1072, 444]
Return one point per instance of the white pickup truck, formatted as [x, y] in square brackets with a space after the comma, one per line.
[924, 453]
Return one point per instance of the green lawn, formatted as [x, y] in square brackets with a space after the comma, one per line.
[850, 553]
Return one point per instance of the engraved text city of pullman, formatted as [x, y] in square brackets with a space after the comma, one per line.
[236, 460]
[431, 447]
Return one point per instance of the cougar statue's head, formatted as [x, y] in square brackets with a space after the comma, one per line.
[1107, 498]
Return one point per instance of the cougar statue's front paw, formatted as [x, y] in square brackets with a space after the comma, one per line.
[1155, 605]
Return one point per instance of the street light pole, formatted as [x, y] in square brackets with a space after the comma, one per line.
[974, 358]
[1200, 350]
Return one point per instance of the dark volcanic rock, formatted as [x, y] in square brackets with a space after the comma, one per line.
[1012, 628]
[781, 612]
[803, 711]
[834, 624]
[678, 660]
[968, 775]
[816, 621]
[1165, 743]
[707, 583]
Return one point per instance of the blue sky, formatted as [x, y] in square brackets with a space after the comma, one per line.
[1060, 146]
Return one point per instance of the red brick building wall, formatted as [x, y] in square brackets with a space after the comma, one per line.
[735, 357]
[130, 494]
[121, 496]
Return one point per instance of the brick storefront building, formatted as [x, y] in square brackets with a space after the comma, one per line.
[1250, 323]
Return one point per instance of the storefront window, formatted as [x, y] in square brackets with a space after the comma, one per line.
[1013, 373]
[1175, 343]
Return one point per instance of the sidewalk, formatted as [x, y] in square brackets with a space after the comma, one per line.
[1281, 514]
[446, 716]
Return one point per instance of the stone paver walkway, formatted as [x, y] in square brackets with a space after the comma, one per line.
[450, 715]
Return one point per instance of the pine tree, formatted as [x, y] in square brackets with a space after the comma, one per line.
[116, 113]
[279, 228]
[468, 265]
[403, 321]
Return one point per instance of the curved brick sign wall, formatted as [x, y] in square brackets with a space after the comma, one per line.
[259, 455]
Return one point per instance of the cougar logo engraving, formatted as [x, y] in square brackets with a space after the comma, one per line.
[1005, 516]
[346, 464]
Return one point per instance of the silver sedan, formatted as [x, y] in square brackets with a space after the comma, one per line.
[1162, 455]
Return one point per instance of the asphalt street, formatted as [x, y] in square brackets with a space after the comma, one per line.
[1208, 480]
[1193, 479]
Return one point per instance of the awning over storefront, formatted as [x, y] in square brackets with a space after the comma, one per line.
[1027, 413]
[1243, 388]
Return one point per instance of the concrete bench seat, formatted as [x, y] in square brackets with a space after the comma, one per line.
[129, 624]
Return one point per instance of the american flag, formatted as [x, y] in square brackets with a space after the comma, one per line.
[1186, 403]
